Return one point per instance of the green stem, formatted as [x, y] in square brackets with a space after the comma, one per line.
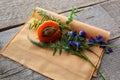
[87, 59]
[55, 47]
[93, 52]
[40, 44]
[109, 46]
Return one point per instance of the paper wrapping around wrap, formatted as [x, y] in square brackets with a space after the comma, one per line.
[64, 67]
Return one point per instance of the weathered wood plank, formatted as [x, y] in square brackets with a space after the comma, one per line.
[10, 70]
[113, 9]
[99, 17]
[6, 36]
[17, 12]
[94, 15]
[110, 66]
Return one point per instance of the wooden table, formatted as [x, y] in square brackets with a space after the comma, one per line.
[100, 13]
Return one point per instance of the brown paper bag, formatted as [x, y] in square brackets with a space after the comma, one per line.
[64, 67]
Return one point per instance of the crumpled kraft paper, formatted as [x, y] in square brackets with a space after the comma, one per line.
[41, 60]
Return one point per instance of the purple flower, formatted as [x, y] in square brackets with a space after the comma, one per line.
[78, 44]
[72, 43]
[75, 43]
[99, 38]
[73, 33]
[92, 41]
[103, 44]
[108, 49]
[82, 33]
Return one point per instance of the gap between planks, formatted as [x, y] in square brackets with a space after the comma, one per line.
[83, 7]
[13, 26]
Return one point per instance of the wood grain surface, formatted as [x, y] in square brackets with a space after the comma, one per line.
[17, 11]
[100, 13]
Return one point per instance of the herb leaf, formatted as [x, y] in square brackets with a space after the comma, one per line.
[46, 16]
[40, 44]
[35, 24]
[70, 18]
[54, 51]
